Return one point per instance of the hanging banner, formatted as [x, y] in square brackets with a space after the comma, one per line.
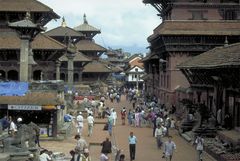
[13, 88]
[25, 107]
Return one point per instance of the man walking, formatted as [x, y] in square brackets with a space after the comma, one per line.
[79, 123]
[90, 121]
[199, 142]
[158, 135]
[110, 124]
[169, 147]
[132, 140]
[81, 144]
[106, 146]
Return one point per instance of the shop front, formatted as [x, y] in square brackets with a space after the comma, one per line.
[45, 112]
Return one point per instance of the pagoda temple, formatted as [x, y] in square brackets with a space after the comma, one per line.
[26, 55]
[188, 28]
[97, 69]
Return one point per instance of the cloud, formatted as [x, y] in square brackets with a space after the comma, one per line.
[122, 22]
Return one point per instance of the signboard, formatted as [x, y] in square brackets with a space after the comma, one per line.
[25, 107]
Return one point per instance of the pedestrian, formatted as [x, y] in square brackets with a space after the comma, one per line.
[110, 124]
[129, 117]
[134, 101]
[80, 123]
[114, 115]
[106, 146]
[137, 118]
[5, 123]
[12, 127]
[123, 115]
[81, 144]
[85, 156]
[122, 157]
[132, 140]
[158, 135]
[172, 126]
[44, 155]
[104, 157]
[167, 125]
[19, 123]
[199, 147]
[169, 147]
[90, 121]
[72, 153]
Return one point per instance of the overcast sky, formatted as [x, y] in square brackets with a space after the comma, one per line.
[124, 23]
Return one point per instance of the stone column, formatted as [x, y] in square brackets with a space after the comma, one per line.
[31, 62]
[58, 64]
[24, 60]
[70, 69]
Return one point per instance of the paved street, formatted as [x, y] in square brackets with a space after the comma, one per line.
[146, 146]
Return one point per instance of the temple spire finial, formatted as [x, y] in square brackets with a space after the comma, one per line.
[85, 19]
[64, 24]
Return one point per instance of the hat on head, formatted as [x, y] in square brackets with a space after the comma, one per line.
[19, 119]
[86, 151]
[80, 113]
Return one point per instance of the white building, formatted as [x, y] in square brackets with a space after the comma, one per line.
[133, 77]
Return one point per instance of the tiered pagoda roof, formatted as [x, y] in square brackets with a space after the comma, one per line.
[80, 57]
[35, 7]
[89, 45]
[24, 5]
[219, 57]
[64, 31]
[197, 27]
[99, 67]
[10, 40]
[85, 27]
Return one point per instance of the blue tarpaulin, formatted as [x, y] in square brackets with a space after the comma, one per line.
[13, 88]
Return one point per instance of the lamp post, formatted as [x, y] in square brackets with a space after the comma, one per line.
[136, 69]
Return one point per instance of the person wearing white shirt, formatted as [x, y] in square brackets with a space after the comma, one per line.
[12, 127]
[199, 142]
[158, 136]
[90, 121]
[104, 157]
[132, 140]
[79, 123]
[169, 147]
[114, 115]
[44, 156]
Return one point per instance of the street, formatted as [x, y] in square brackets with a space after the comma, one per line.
[146, 145]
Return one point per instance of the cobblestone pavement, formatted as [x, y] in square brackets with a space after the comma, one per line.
[146, 146]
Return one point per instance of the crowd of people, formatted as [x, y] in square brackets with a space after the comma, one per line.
[140, 114]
